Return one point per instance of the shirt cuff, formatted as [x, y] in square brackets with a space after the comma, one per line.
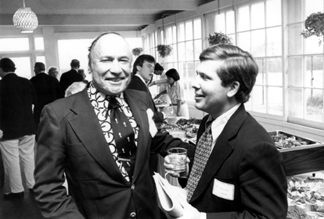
[203, 215]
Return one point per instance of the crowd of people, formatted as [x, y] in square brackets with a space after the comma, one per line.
[101, 137]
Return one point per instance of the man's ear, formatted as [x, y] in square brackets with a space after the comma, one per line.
[233, 89]
[138, 67]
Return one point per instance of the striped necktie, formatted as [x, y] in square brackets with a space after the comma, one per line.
[202, 153]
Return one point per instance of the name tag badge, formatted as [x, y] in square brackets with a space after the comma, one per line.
[223, 190]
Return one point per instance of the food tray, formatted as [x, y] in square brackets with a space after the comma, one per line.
[292, 142]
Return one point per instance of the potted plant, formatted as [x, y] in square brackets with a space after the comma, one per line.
[164, 50]
[219, 38]
[137, 51]
[314, 25]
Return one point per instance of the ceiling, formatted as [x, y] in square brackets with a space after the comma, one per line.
[89, 15]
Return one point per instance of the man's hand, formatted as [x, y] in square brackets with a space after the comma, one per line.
[189, 213]
[169, 168]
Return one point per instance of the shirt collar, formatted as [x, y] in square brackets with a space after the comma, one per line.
[224, 117]
[142, 79]
[97, 95]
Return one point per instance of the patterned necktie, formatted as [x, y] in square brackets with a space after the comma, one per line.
[202, 153]
[124, 136]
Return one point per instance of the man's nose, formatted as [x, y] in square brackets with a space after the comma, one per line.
[115, 68]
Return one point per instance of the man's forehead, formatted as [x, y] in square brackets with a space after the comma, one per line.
[112, 44]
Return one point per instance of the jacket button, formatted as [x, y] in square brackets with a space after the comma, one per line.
[133, 186]
[133, 214]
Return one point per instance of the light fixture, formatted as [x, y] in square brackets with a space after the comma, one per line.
[25, 19]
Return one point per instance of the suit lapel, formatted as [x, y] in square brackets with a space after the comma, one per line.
[135, 101]
[221, 151]
[87, 128]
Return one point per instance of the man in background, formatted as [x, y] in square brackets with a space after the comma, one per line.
[237, 172]
[17, 98]
[71, 76]
[143, 71]
[47, 89]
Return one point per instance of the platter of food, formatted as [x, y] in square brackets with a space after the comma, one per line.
[187, 127]
[287, 141]
[305, 196]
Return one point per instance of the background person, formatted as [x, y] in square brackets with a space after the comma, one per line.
[17, 98]
[47, 89]
[76, 138]
[175, 92]
[52, 71]
[71, 76]
[237, 172]
[143, 69]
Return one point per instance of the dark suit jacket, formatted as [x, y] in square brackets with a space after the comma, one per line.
[244, 156]
[68, 78]
[47, 89]
[17, 95]
[137, 84]
[71, 141]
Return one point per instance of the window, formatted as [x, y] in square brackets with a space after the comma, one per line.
[39, 43]
[21, 52]
[259, 31]
[14, 44]
[305, 66]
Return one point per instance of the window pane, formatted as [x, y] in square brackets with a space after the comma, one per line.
[182, 52]
[258, 43]
[23, 67]
[314, 108]
[274, 46]
[191, 71]
[73, 49]
[14, 44]
[198, 49]
[181, 32]
[295, 74]
[295, 39]
[273, 12]
[257, 15]
[295, 9]
[39, 43]
[259, 99]
[314, 72]
[275, 101]
[41, 59]
[312, 45]
[174, 33]
[230, 22]
[243, 18]
[168, 32]
[261, 78]
[189, 34]
[243, 41]
[295, 103]
[313, 6]
[197, 28]
[189, 51]
[220, 23]
[161, 37]
[274, 71]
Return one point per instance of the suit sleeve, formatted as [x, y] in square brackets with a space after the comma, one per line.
[263, 185]
[50, 193]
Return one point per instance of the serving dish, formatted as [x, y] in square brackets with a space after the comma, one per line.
[287, 141]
